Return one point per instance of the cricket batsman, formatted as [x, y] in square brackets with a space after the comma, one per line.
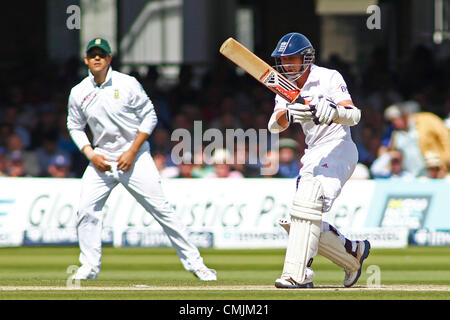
[121, 118]
[325, 116]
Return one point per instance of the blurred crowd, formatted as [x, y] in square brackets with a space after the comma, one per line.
[404, 130]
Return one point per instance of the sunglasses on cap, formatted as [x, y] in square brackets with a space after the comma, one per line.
[92, 54]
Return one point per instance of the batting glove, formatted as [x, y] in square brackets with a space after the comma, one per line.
[326, 111]
[298, 113]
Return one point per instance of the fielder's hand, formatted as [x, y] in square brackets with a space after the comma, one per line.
[126, 160]
[101, 163]
[326, 111]
[298, 113]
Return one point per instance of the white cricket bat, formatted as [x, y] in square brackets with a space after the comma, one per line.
[260, 70]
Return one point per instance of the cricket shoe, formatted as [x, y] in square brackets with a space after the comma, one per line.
[206, 274]
[84, 273]
[363, 250]
[289, 283]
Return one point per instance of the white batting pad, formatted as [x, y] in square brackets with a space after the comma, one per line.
[306, 220]
[331, 247]
[302, 245]
[308, 200]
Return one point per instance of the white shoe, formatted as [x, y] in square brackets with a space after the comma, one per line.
[363, 250]
[84, 273]
[289, 283]
[206, 274]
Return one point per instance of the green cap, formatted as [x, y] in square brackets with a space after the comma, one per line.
[99, 43]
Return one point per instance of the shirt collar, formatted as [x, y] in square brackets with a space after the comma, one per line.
[107, 79]
[312, 75]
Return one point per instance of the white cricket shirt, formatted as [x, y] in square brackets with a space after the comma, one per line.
[115, 111]
[329, 84]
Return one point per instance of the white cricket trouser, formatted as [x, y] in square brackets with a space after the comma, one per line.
[332, 163]
[144, 183]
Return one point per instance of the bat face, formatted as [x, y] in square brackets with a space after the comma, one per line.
[277, 83]
[259, 69]
[262, 72]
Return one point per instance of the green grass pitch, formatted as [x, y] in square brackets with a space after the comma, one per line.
[156, 274]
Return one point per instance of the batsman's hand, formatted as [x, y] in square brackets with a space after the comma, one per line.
[126, 160]
[298, 113]
[100, 163]
[326, 111]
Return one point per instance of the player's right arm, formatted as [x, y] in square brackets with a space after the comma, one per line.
[278, 122]
[76, 123]
[284, 114]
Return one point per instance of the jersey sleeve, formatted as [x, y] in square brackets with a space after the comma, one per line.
[143, 107]
[76, 122]
[338, 90]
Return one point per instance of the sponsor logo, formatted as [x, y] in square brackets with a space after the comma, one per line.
[270, 78]
[343, 88]
[88, 98]
[380, 237]
[147, 238]
[425, 237]
[35, 236]
[405, 211]
[283, 46]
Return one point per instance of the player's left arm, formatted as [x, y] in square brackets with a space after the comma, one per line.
[347, 113]
[144, 111]
[337, 106]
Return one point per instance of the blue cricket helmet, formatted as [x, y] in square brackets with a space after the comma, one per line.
[289, 45]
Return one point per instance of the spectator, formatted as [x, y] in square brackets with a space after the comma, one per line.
[270, 165]
[47, 150]
[186, 165]
[288, 157]
[246, 160]
[165, 171]
[5, 131]
[29, 158]
[222, 159]
[434, 165]
[10, 117]
[199, 168]
[16, 165]
[159, 141]
[404, 138]
[47, 124]
[59, 166]
[227, 100]
[417, 133]
[366, 152]
[3, 162]
[389, 165]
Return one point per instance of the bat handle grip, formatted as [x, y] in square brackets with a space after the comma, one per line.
[313, 108]
[299, 100]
